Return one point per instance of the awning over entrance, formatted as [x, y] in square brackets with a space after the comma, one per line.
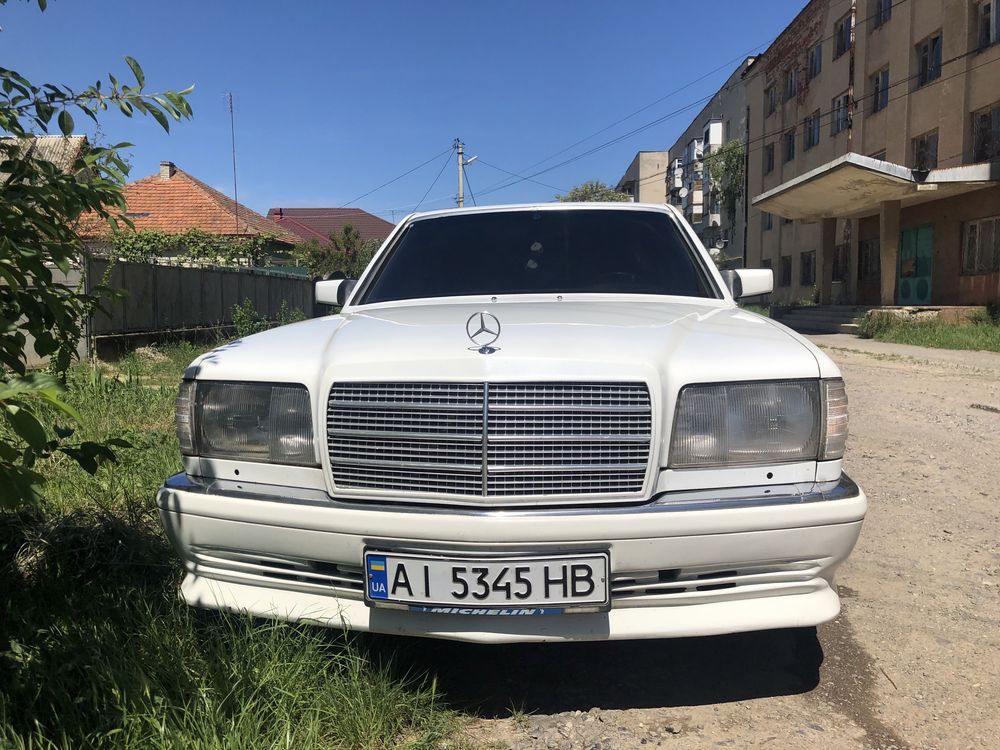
[852, 186]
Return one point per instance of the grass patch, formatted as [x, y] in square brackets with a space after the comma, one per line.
[980, 334]
[96, 649]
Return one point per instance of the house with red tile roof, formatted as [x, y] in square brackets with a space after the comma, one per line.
[174, 201]
[319, 223]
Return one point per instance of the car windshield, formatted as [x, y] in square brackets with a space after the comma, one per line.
[531, 251]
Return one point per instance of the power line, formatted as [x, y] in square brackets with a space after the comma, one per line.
[502, 185]
[781, 131]
[605, 145]
[657, 121]
[666, 96]
[515, 174]
[438, 177]
[397, 179]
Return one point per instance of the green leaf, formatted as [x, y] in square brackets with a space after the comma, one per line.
[7, 451]
[160, 118]
[26, 426]
[136, 70]
[66, 122]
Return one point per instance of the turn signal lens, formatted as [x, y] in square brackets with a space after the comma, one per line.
[185, 420]
[834, 419]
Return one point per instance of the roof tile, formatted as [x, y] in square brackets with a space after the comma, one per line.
[181, 202]
[319, 223]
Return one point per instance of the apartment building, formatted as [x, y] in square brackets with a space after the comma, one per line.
[689, 186]
[643, 179]
[873, 166]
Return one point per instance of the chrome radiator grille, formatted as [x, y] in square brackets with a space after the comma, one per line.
[490, 439]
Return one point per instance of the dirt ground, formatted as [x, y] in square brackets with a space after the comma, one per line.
[913, 661]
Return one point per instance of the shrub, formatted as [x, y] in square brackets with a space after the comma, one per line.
[248, 321]
[877, 322]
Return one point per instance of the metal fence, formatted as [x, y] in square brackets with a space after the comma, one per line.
[162, 300]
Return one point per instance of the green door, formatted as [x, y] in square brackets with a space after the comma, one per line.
[916, 266]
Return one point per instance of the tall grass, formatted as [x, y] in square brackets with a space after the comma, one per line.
[96, 649]
[982, 333]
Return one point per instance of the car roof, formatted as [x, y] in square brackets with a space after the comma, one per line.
[553, 206]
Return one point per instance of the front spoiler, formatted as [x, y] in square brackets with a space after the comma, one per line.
[231, 534]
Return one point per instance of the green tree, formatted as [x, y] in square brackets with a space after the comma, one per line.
[346, 253]
[594, 191]
[40, 206]
[726, 166]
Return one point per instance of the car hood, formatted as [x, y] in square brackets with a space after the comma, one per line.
[665, 344]
[678, 342]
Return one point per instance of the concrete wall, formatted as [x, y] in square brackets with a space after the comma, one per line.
[645, 178]
[948, 285]
[968, 83]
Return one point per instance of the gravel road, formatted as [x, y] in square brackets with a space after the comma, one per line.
[913, 661]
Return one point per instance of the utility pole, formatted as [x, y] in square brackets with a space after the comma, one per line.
[462, 164]
[460, 149]
[232, 134]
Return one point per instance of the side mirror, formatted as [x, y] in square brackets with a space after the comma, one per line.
[334, 291]
[749, 282]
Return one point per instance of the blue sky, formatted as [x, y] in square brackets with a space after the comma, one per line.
[335, 98]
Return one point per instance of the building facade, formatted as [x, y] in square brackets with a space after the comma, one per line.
[643, 179]
[873, 165]
[689, 186]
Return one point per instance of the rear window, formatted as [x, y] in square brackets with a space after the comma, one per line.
[528, 252]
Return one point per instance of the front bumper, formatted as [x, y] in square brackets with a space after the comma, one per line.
[701, 563]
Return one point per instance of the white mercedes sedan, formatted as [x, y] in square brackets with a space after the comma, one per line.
[526, 423]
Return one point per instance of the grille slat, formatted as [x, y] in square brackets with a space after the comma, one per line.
[496, 440]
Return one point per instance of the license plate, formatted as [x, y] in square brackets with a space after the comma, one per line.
[512, 585]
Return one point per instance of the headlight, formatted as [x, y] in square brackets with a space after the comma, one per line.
[732, 424]
[263, 422]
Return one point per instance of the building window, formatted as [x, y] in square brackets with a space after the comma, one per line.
[880, 155]
[842, 35]
[925, 151]
[880, 90]
[981, 246]
[988, 23]
[869, 259]
[986, 134]
[768, 158]
[807, 268]
[929, 60]
[770, 101]
[766, 220]
[814, 62]
[842, 262]
[791, 83]
[788, 141]
[785, 271]
[812, 130]
[765, 263]
[882, 12]
[841, 111]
